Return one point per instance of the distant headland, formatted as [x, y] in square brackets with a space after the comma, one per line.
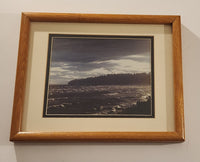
[114, 79]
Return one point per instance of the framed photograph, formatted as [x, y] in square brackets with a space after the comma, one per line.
[97, 77]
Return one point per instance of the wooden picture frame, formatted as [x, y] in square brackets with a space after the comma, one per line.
[17, 133]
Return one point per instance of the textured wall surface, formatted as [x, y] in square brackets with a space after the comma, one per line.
[10, 13]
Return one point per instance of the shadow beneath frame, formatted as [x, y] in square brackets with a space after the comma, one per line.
[68, 151]
[83, 151]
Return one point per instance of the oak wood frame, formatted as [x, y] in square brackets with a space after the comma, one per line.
[17, 134]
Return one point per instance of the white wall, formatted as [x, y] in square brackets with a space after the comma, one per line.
[99, 152]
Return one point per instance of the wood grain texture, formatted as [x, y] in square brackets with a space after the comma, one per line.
[100, 18]
[18, 135]
[99, 136]
[20, 82]
[178, 78]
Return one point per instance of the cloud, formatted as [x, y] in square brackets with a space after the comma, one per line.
[101, 49]
[75, 58]
[65, 72]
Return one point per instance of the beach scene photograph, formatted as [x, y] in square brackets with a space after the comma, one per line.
[99, 76]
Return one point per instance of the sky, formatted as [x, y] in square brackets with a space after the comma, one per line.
[83, 57]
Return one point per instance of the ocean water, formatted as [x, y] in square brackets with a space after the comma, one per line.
[98, 100]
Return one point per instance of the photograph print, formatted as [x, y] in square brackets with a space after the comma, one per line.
[99, 76]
